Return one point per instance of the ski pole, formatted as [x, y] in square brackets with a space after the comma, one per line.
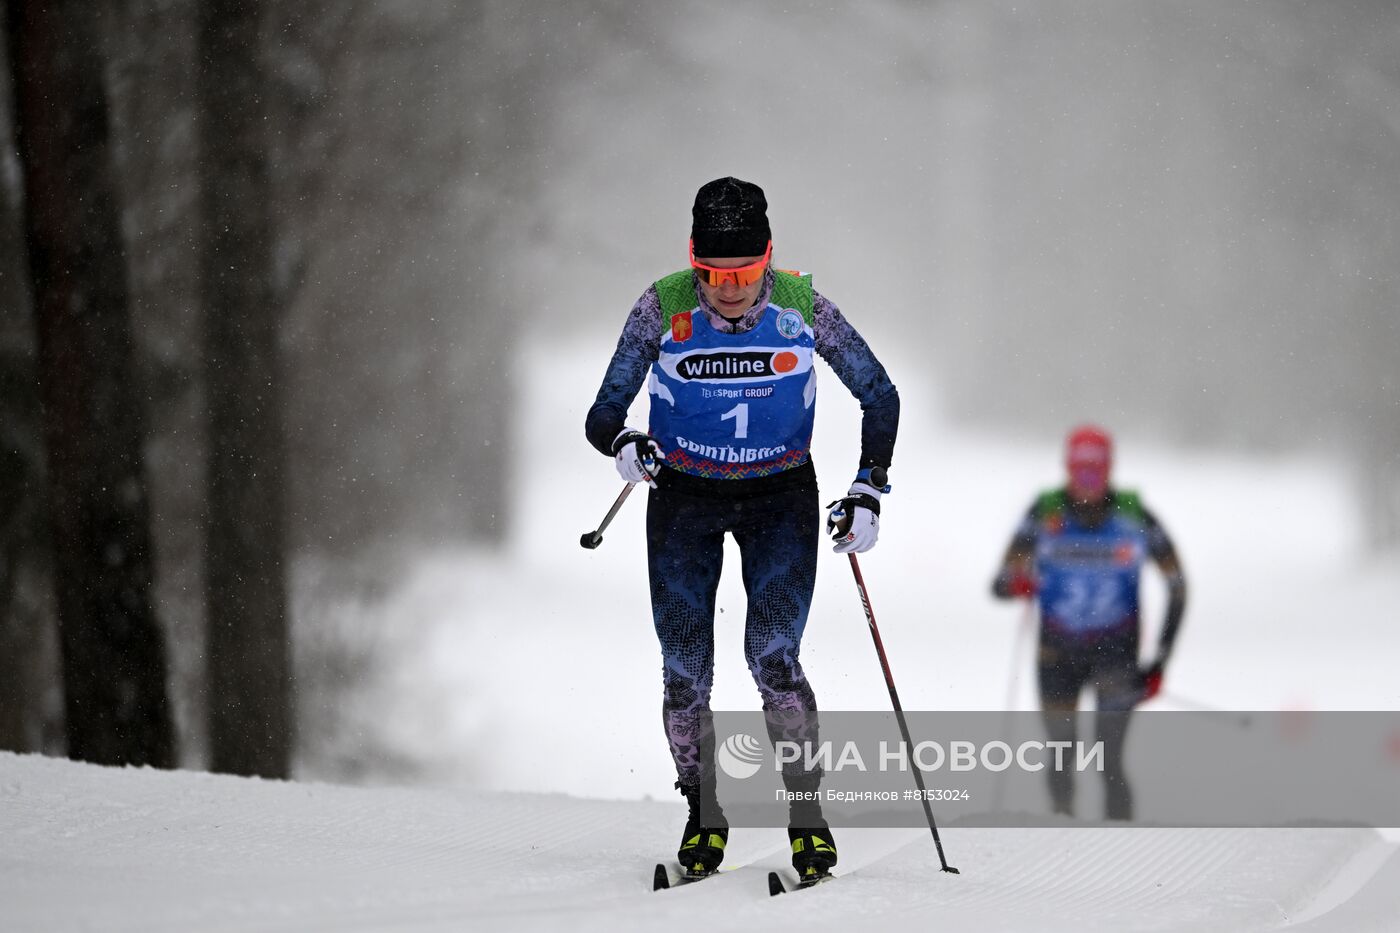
[1027, 623]
[591, 539]
[1240, 719]
[1022, 630]
[898, 709]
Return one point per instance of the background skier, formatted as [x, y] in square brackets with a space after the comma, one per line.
[1079, 551]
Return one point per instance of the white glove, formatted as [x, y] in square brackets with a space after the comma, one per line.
[854, 522]
[638, 457]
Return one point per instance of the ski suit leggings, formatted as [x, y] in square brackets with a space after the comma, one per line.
[777, 523]
[1110, 666]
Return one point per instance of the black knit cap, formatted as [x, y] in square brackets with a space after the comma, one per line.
[730, 218]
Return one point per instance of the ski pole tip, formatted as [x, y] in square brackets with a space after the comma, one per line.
[590, 540]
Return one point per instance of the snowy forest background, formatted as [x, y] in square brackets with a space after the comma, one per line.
[1179, 219]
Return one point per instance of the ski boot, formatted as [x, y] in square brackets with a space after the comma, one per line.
[813, 846]
[1118, 798]
[813, 853]
[702, 843]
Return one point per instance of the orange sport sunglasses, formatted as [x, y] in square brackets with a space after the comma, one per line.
[743, 276]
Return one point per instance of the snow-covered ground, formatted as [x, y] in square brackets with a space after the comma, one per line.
[89, 848]
[527, 681]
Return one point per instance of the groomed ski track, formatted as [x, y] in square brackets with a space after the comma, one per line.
[89, 848]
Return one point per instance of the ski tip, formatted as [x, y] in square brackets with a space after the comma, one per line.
[660, 878]
[775, 884]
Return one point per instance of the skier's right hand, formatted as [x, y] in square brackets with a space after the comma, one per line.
[1021, 585]
[1014, 584]
[638, 457]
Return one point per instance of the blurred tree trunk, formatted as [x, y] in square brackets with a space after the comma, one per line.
[20, 449]
[14, 710]
[114, 672]
[250, 696]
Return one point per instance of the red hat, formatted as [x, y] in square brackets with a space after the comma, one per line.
[1087, 446]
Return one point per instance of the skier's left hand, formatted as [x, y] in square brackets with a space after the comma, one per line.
[854, 522]
[1152, 679]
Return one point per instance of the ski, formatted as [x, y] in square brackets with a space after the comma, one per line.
[661, 877]
[776, 886]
